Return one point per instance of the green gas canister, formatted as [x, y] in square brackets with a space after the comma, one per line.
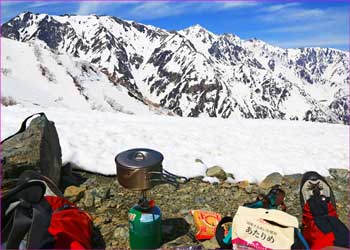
[145, 228]
[141, 169]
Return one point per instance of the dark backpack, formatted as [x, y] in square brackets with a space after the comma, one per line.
[34, 218]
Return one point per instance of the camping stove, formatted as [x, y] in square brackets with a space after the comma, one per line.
[140, 170]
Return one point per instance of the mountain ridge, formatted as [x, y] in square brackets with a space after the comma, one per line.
[194, 72]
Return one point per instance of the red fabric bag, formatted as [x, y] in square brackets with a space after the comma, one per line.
[312, 233]
[70, 226]
[321, 225]
[34, 218]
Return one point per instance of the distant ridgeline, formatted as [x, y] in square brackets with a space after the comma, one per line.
[193, 72]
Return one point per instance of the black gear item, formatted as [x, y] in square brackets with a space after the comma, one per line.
[313, 182]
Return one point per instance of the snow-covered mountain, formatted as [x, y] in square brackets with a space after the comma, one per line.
[192, 72]
[35, 76]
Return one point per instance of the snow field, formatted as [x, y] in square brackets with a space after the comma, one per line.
[249, 149]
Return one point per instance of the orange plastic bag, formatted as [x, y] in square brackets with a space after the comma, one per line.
[205, 222]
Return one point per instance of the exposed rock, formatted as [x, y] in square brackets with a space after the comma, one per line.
[97, 202]
[121, 232]
[178, 224]
[102, 192]
[108, 204]
[216, 171]
[210, 244]
[91, 181]
[37, 148]
[106, 230]
[227, 184]
[293, 178]
[243, 184]
[74, 193]
[199, 161]
[249, 189]
[339, 173]
[89, 199]
[112, 204]
[189, 219]
[339, 196]
[229, 175]
[271, 180]
[184, 241]
[199, 200]
[99, 220]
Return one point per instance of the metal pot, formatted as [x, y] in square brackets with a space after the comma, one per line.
[141, 169]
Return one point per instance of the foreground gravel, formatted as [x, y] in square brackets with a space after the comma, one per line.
[108, 203]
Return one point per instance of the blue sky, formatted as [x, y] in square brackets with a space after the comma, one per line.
[283, 23]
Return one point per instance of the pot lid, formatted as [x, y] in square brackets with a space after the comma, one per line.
[139, 158]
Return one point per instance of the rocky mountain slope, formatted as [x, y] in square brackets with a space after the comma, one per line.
[194, 72]
[34, 76]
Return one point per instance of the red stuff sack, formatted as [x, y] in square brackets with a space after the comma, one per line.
[33, 217]
[70, 226]
[321, 226]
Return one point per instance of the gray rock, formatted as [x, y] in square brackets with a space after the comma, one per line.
[89, 199]
[74, 193]
[199, 161]
[98, 201]
[271, 180]
[102, 192]
[99, 220]
[243, 184]
[338, 195]
[112, 204]
[292, 178]
[249, 189]
[229, 175]
[195, 194]
[210, 244]
[236, 195]
[90, 182]
[199, 178]
[199, 200]
[189, 219]
[184, 241]
[37, 148]
[226, 185]
[339, 173]
[184, 212]
[216, 171]
[106, 229]
[121, 232]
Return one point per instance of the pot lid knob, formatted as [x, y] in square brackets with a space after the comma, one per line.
[139, 156]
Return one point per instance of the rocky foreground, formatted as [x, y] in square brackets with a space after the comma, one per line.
[108, 203]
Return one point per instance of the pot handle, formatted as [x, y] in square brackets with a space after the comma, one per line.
[167, 178]
[177, 177]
